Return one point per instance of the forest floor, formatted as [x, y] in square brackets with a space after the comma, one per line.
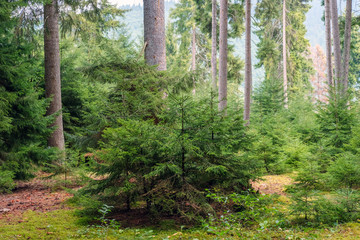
[38, 210]
[39, 194]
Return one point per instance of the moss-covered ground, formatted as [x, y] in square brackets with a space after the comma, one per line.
[65, 223]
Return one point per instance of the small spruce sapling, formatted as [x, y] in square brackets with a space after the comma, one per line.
[304, 191]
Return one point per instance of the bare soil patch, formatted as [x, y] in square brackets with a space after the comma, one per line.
[273, 184]
[35, 195]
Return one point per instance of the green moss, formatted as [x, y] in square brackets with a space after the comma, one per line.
[58, 224]
[64, 224]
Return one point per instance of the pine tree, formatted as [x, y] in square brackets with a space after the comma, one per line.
[248, 66]
[170, 163]
[23, 127]
[269, 18]
[223, 48]
[328, 43]
[214, 45]
[346, 50]
[336, 121]
[284, 53]
[52, 72]
[336, 41]
[154, 33]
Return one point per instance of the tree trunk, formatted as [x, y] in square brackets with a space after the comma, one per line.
[346, 52]
[328, 43]
[193, 56]
[193, 50]
[336, 41]
[223, 55]
[52, 72]
[248, 72]
[213, 46]
[154, 33]
[284, 55]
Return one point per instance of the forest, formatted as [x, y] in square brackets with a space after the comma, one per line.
[166, 135]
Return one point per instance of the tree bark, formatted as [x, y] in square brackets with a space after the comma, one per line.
[347, 40]
[328, 43]
[336, 41]
[154, 33]
[52, 72]
[223, 55]
[213, 46]
[285, 82]
[248, 72]
[193, 56]
[193, 50]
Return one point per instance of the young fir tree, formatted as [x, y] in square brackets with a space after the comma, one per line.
[336, 121]
[304, 191]
[23, 130]
[170, 163]
[267, 103]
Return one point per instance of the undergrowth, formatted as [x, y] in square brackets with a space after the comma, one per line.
[63, 224]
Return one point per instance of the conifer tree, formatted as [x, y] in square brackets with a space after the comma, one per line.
[284, 53]
[328, 42]
[336, 42]
[214, 45]
[223, 55]
[193, 49]
[248, 66]
[23, 127]
[346, 50]
[52, 72]
[154, 33]
[269, 18]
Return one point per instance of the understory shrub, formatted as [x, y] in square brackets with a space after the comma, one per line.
[168, 164]
[23, 127]
[340, 207]
[341, 202]
[344, 172]
[304, 192]
[6, 181]
[238, 210]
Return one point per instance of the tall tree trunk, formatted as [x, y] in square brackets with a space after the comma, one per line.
[284, 55]
[328, 42]
[193, 49]
[52, 72]
[248, 72]
[193, 56]
[213, 46]
[223, 55]
[346, 52]
[154, 33]
[336, 41]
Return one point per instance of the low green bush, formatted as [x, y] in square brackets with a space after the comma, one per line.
[169, 164]
[6, 181]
